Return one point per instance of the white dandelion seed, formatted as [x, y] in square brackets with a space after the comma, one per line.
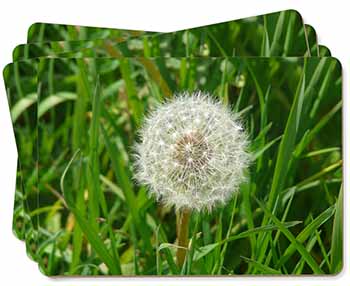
[199, 162]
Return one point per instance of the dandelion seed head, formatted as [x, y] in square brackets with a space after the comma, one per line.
[192, 152]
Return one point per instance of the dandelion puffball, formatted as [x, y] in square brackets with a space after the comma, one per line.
[192, 152]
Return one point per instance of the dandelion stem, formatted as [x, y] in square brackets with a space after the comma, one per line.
[182, 235]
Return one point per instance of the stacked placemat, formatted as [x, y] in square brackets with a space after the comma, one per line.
[214, 150]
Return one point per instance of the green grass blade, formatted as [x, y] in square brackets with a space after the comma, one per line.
[316, 129]
[261, 267]
[126, 185]
[307, 232]
[95, 241]
[286, 147]
[277, 34]
[288, 41]
[205, 250]
[285, 152]
[337, 236]
[322, 151]
[259, 152]
[324, 87]
[53, 100]
[220, 262]
[22, 105]
[265, 47]
[94, 190]
[309, 246]
[134, 104]
[298, 246]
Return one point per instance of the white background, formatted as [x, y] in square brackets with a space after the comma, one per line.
[331, 19]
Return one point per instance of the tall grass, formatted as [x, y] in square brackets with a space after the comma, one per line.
[279, 223]
[92, 217]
